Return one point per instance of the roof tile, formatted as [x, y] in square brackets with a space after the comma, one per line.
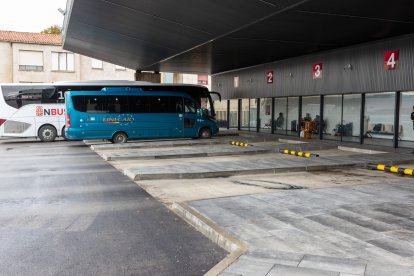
[31, 38]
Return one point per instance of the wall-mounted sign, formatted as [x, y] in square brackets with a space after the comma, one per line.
[202, 79]
[269, 77]
[317, 71]
[236, 82]
[391, 60]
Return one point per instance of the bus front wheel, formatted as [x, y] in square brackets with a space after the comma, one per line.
[47, 133]
[205, 133]
[119, 138]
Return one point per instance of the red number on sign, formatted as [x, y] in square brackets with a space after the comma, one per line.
[269, 77]
[391, 60]
[317, 71]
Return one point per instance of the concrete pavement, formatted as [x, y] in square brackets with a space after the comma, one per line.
[334, 222]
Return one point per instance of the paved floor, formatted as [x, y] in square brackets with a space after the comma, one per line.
[65, 211]
[352, 229]
[299, 223]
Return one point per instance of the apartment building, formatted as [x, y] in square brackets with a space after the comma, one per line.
[34, 57]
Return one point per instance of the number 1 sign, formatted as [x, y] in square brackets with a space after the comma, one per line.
[391, 60]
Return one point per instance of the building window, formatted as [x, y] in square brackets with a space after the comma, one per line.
[63, 61]
[31, 61]
[120, 68]
[97, 64]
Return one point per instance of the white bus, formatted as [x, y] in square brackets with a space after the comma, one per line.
[38, 109]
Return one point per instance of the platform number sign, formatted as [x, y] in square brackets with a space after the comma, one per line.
[391, 60]
[269, 77]
[317, 71]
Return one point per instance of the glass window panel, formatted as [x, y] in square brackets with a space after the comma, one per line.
[244, 116]
[280, 116]
[79, 103]
[189, 106]
[266, 115]
[332, 110]
[405, 129]
[117, 104]
[70, 62]
[379, 112]
[234, 113]
[221, 112]
[253, 114]
[293, 114]
[138, 104]
[55, 61]
[95, 104]
[351, 118]
[62, 61]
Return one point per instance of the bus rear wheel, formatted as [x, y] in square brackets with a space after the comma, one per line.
[205, 133]
[47, 133]
[119, 138]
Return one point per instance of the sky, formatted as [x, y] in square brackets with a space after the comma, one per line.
[30, 15]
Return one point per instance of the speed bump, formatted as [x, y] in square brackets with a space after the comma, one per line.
[299, 153]
[240, 144]
[393, 169]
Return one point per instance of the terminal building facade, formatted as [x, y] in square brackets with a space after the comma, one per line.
[346, 66]
[362, 94]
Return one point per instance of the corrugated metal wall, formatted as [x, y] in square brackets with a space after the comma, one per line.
[293, 77]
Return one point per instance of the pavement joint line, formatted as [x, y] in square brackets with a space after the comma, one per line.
[211, 230]
[366, 151]
[112, 157]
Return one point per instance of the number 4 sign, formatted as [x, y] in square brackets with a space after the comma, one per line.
[391, 60]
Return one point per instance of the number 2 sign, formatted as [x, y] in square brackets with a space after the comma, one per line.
[269, 76]
[317, 71]
[391, 60]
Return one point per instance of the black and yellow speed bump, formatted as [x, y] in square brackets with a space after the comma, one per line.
[298, 153]
[393, 169]
[240, 144]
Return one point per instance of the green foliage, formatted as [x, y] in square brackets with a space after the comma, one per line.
[55, 29]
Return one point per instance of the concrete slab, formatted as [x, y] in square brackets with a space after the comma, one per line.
[353, 266]
[282, 270]
[222, 150]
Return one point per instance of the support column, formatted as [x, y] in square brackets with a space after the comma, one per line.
[154, 77]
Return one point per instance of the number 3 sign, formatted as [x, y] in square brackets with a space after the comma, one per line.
[317, 71]
[391, 60]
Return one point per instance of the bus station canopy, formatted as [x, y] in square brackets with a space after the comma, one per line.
[213, 36]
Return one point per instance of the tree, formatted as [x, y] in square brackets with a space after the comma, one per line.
[55, 29]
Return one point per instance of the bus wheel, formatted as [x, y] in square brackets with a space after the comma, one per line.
[205, 133]
[47, 133]
[119, 138]
[63, 133]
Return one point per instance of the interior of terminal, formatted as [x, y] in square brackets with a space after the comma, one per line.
[369, 118]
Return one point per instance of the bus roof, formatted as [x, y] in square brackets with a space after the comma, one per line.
[104, 83]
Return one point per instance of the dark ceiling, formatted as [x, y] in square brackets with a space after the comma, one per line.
[213, 36]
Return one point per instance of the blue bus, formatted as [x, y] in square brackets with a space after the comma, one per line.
[121, 113]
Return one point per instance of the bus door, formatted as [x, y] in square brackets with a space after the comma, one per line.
[166, 119]
[95, 115]
[190, 118]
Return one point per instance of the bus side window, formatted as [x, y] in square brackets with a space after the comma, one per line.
[95, 104]
[117, 104]
[176, 104]
[50, 95]
[189, 106]
[138, 104]
[79, 103]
